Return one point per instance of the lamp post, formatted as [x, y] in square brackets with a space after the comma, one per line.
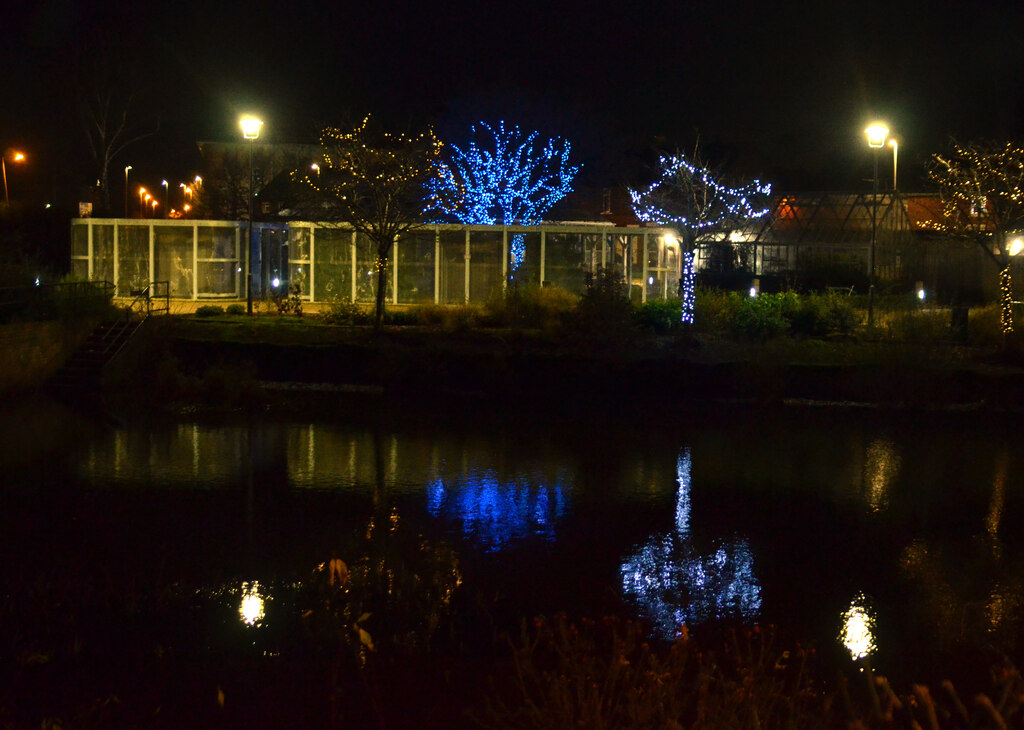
[15, 157]
[167, 196]
[876, 140]
[126, 169]
[251, 131]
[895, 153]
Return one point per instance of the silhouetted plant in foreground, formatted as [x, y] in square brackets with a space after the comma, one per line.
[605, 674]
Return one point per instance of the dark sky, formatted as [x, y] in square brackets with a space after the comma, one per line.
[778, 91]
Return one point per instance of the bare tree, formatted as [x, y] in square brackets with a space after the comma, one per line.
[377, 185]
[982, 190]
[107, 104]
[690, 197]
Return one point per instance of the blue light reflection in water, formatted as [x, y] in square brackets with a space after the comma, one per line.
[496, 513]
[674, 585]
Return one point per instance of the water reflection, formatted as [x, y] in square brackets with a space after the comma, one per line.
[496, 512]
[251, 607]
[675, 585]
[882, 465]
[858, 628]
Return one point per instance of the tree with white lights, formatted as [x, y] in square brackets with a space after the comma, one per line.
[691, 198]
[505, 177]
[376, 184]
[982, 191]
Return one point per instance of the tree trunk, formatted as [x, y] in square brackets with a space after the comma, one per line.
[1006, 302]
[381, 265]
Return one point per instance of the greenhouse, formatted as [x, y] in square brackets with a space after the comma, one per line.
[442, 264]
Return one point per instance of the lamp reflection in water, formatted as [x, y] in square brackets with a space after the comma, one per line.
[251, 607]
[674, 585]
[496, 512]
[882, 466]
[858, 630]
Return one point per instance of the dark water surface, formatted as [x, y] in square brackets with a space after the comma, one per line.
[133, 554]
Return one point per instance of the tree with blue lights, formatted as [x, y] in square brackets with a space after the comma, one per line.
[692, 199]
[506, 177]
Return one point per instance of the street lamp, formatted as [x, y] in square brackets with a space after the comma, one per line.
[876, 140]
[15, 157]
[895, 153]
[126, 169]
[167, 195]
[251, 131]
[142, 202]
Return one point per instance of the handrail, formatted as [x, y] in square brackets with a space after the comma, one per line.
[160, 290]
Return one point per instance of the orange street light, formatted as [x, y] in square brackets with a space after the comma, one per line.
[15, 157]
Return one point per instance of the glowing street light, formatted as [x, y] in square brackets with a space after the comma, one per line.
[15, 157]
[876, 140]
[167, 195]
[251, 132]
[142, 202]
[126, 169]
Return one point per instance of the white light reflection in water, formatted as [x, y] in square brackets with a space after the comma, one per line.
[497, 512]
[858, 631]
[251, 608]
[674, 585]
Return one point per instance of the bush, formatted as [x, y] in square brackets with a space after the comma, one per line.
[531, 306]
[236, 309]
[660, 315]
[448, 318]
[345, 312]
[604, 307]
[761, 318]
[209, 310]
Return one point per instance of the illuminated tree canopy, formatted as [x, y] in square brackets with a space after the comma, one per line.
[692, 199]
[376, 184]
[503, 177]
[982, 190]
[689, 197]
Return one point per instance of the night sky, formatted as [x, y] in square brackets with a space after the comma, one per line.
[782, 92]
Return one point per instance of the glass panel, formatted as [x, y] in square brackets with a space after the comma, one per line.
[80, 239]
[103, 253]
[298, 245]
[366, 271]
[484, 265]
[217, 243]
[218, 277]
[565, 261]
[529, 267]
[333, 260]
[592, 251]
[80, 268]
[173, 249]
[298, 273]
[416, 267]
[453, 267]
[132, 259]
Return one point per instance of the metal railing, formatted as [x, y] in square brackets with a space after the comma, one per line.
[155, 297]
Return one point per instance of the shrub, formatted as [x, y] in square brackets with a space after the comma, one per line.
[209, 310]
[660, 315]
[761, 318]
[345, 312]
[715, 311]
[531, 306]
[236, 309]
[604, 307]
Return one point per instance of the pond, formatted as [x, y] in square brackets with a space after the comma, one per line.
[177, 564]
